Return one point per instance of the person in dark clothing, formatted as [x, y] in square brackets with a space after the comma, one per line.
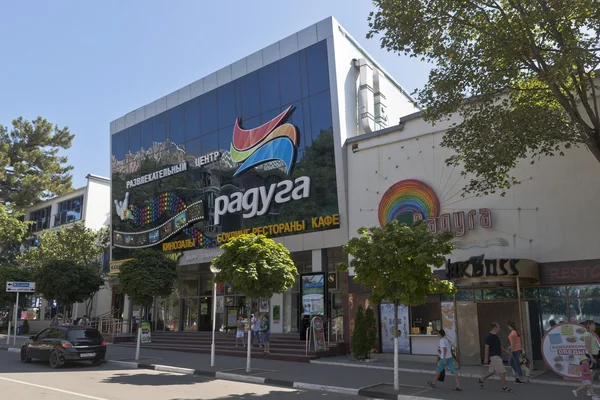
[493, 357]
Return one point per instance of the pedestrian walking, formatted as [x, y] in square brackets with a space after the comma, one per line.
[515, 351]
[265, 329]
[255, 327]
[493, 357]
[586, 378]
[446, 361]
[239, 333]
[592, 349]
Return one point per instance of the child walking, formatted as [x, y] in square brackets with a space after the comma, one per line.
[586, 378]
[239, 333]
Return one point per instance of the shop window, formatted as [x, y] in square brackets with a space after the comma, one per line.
[177, 125]
[495, 294]
[135, 139]
[146, 134]
[290, 81]
[552, 312]
[226, 105]
[318, 69]
[208, 112]
[188, 288]
[584, 291]
[69, 211]
[192, 119]
[461, 295]
[582, 310]
[268, 78]
[40, 219]
[542, 292]
[250, 95]
[159, 128]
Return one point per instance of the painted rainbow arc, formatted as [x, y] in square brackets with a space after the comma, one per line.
[408, 196]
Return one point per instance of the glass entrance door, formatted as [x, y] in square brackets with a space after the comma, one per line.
[189, 317]
[205, 319]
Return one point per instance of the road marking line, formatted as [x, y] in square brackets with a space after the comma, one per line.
[51, 388]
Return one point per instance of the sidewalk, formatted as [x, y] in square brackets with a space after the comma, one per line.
[337, 375]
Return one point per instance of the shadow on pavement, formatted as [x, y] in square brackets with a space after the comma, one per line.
[165, 379]
[276, 395]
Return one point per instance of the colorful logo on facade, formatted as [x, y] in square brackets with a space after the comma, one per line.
[404, 199]
[275, 140]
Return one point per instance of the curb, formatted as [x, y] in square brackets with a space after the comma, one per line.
[430, 372]
[10, 349]
[267, 381]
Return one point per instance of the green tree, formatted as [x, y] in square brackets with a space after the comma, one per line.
[396, 261]
[12, 232]
[360, 348]
[150, 274]
[33, 168]
[74, 243]
[371, 326]
[67, 282]
[528, 66]
[257, 267]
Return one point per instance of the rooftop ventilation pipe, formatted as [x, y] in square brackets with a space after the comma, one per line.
[381, 118]
[365, 96]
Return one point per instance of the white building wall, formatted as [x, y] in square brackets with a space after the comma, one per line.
[97, 203]
[551, 216]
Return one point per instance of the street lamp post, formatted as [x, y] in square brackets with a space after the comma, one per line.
[215, 271]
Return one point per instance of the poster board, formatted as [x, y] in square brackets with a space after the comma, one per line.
[276, 314]
[319, 334]
[232, 316]
[146, 332]
[562, 347]
[387, 328]
[449, 321]
[313, 294]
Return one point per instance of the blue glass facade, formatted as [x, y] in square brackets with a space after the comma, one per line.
[205, 125]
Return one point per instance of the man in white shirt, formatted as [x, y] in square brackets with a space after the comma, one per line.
[446, 361]
[255, 327]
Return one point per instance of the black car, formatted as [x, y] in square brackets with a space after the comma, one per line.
[65, 343]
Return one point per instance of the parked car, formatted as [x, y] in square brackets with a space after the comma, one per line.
[65, 343]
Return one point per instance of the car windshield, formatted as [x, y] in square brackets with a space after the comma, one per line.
[84, 334]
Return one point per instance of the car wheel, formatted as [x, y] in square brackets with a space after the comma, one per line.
[97, 363]
[55, 361]
[24, 358]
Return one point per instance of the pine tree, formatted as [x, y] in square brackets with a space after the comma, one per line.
[371, 330]
[360, 346]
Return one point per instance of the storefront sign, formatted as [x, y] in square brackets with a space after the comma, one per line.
[163, 173]
[179, 245]
[411, 200]
[257, 201]
[570, 272]
[562, 348]
[313, 294]
[130, 240]
[319, 334]
[174, 256]
[387, 328]
[208, 158]
[115, 266]
[479, 269]
[146, 333]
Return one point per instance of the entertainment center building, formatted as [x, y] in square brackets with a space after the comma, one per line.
[256, 147]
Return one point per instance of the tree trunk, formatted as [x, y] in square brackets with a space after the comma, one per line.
[249, 348]
[396, 381]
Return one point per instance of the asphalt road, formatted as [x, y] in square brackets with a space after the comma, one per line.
[111, 382]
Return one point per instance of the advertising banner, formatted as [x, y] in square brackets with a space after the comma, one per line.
[449, 321]
[313, 294]
[319, 334]
[387, 328]
[562, 348]
[146, 333]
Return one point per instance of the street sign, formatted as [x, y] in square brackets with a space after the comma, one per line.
[20, 287]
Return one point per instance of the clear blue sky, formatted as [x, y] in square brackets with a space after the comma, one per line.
[84, 64]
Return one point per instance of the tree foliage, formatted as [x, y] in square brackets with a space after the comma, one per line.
[396, 261]
[529, 68]
[33, 168]
[12, 232]
[149, 274]
[364, 336]
[67, 281]
[75, 243]
[256, 266]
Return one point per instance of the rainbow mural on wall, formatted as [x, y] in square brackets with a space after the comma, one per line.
[274, 140]
[166, 202]
[405, 198]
